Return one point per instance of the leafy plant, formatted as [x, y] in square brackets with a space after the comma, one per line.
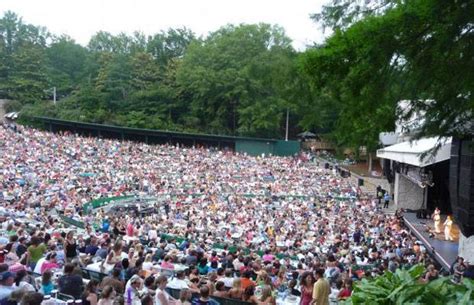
[405, 287]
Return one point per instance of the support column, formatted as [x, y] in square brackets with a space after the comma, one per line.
[395, 188]
[466, 248]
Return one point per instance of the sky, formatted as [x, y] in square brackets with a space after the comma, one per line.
[82, 19]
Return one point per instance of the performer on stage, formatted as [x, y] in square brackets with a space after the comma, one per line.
[448, 228]
[437, 220]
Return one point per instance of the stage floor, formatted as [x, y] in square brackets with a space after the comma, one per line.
[445, 252]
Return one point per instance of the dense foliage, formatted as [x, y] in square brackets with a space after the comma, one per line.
[405, 287]
[242, 79]
[383, 51]
[238, 80]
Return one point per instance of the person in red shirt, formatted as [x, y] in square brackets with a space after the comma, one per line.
[346, 292]
[245, 279]
[130, 229]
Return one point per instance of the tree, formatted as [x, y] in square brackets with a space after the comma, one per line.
[232, 77]
[23, 62]
[341, 14]
[239, 80]
[436, 44]
[169, 45]
[349, 70]
[144, 71]
[113, 78]
[27, 82]
[431, 42]
[66, 64]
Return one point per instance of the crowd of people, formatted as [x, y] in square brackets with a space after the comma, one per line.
[262, 230]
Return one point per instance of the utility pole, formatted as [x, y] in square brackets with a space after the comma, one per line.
[287, 120]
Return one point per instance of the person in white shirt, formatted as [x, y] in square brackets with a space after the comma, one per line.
[335, 289]
[6, 284]
[22, 283]
[178, 282]
[148, 264]
[170, 246]
[228, 279]
[148, 286]
[152, 234]
[237, 263]
[132, 294]
[38, 265]
[161, 296]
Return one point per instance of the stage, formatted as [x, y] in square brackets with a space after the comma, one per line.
[445, 252]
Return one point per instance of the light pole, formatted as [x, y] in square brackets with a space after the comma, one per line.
[48, 91]
[287, 120]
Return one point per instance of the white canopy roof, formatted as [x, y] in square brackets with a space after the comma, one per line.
[11, 115]
[410, 152]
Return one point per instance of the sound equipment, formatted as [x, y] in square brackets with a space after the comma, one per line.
[360, 182]
[326, 165]
[345, 174]
[461, 184]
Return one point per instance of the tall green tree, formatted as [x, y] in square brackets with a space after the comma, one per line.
[23, 65]
[239, 80]
[431, 42]
[66, 64]
[169, 45]
[28, 80]
[232, 77]
[350, 70]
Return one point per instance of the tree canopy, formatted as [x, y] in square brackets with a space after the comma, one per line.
[242, 79]
[238, 80]
[385, 51]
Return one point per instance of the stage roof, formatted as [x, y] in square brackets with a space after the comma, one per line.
[411, 152]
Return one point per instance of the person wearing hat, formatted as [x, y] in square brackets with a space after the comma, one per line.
[7, 279]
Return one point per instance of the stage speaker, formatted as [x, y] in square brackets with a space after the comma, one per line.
[326, 165]
[461, 184]
[360, 182]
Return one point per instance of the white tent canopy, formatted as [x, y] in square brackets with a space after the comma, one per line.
[11, 115]
[410, 152]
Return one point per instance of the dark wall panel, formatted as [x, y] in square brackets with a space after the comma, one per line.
[461, 184]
